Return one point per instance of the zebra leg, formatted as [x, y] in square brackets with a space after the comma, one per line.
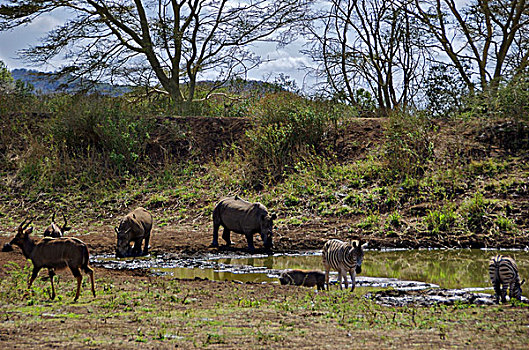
[352, 272]
[343, 274]
[504, 292]
[327, 268]
[497, 292]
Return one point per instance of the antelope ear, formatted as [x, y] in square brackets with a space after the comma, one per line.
[28, 231]
[523, 281]
[116, 229]
[364, 246]
[353, 243]
[134, 216]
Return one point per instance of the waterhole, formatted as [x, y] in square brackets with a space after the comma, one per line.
[401, 269]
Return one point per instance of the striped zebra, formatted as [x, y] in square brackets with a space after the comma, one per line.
[343, 257]
[503, 271]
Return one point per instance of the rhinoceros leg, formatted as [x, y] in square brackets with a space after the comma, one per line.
[249, 238]
[215, 242]
[226, 236]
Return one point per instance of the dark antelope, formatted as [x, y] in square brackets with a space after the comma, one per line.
[55, 230]
[53, 253]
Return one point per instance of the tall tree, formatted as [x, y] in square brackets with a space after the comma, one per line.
[6, 79]
[483, 39]
[369, 45]
[173, 41]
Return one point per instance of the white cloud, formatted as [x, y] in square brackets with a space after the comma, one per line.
[26, 36]
[285, 60]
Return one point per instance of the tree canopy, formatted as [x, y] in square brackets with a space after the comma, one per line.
[168, 43]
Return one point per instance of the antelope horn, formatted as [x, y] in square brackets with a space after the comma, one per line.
[23, 225]
[65, 221]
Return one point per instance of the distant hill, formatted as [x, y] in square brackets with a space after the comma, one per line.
[49, 83]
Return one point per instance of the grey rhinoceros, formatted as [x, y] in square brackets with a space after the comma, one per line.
[243, 217]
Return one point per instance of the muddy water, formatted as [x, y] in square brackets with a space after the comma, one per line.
[451, 269]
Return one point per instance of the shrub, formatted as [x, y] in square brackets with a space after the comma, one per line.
[441, 220]
[444, 91]
[408, 147]
[505, 224]
[509, 101]
[474, 210]
[107, 126]
[289, 129]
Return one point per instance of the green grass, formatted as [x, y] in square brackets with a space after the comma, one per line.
[165, 312]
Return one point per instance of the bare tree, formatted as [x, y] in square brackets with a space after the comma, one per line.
[369, 45]
[483, 39]
[173, 41]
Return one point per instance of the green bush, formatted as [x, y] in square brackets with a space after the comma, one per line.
[441, 220]
[509, 101]
[408, 146]
[95, 125]
[475, 212]
[289, 129]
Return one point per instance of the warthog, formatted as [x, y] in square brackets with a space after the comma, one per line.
[53, 253]
[306, 278]
[240, 216]
[134, 227]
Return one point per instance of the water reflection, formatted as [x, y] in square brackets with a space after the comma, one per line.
[451, 268]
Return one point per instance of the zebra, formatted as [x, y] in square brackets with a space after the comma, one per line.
[343, 257]
[503, 270]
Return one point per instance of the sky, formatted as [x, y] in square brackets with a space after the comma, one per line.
[287, 60]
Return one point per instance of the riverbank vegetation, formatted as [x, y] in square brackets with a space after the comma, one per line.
[410, 177]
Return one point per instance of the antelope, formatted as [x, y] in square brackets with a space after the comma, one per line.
[53, 253]
[55, 230]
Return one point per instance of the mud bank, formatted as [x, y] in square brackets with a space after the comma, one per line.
[428, 297]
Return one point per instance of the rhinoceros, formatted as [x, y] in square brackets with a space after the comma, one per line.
[243, 217]
[134, 227]
[306, 278]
